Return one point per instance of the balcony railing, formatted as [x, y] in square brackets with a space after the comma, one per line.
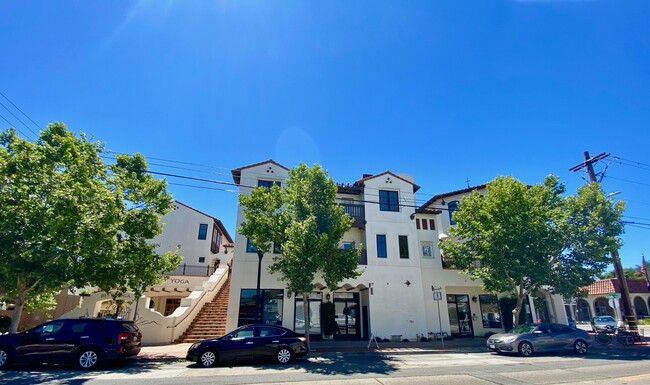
[363, 257]
[357, 212]
[199, 271]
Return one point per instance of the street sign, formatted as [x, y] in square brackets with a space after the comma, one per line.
[613, 296]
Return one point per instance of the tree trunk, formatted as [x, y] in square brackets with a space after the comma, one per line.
[18, 311]
[305, 305]
[517, 309]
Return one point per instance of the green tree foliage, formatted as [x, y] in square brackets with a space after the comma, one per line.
[631, 273]
[309, 225]
[518, 238]
[69, 218]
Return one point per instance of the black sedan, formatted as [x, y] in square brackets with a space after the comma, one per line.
[250, 342]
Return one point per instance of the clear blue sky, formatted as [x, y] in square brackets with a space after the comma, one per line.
[445, 91]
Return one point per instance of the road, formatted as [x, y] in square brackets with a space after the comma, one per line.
[598, 367]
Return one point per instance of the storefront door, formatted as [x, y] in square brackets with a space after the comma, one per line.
[347, 313]
[460, 316]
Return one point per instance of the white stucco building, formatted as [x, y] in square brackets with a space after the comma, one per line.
[403, 271]
[165, 311]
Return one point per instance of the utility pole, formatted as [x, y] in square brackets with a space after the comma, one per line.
[616, 260]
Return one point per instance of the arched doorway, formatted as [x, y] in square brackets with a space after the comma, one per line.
[640, 307]
[583, 311]
[602, 307]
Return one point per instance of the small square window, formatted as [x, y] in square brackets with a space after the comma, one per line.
[388, 200]
[201, 259]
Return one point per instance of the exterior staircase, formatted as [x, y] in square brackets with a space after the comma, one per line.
[211, 320]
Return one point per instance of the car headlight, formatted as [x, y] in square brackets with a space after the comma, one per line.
[509, 339]
[195, 345]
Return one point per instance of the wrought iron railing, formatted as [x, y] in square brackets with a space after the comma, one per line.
[185, 269]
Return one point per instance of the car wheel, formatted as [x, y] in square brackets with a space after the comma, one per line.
[526, 349]
[88, 359]
[207, 358]
[283, 355]
[5, 358]
[580, 347]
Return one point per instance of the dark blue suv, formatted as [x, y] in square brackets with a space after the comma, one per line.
[85, 342]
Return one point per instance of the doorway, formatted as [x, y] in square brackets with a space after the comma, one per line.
[460, 315]
[347, 313]
[171, 304]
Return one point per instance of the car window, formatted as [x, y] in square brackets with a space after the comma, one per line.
[561, 329]
[270, 331]
[243, 333]
[544, 328]
[50, 327]
[130, 327]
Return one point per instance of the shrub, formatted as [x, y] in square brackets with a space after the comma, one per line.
[4, 324]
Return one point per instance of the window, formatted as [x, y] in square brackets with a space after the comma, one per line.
[201, 259]
[348, 245]
[453, 206]
[490, 311]
[432, 224]
[427, 249]
[381, 246]
[417, 223]
[424, 225]
[268, 183]
[216, 239]
[249, 246]
[272, 302]
[403, 246]
[388, 200]
[203, 231]
[277, 248]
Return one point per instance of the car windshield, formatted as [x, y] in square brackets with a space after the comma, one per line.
[604, 319]
[521, 329]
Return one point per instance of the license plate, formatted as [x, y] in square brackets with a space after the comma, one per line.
[492, 347]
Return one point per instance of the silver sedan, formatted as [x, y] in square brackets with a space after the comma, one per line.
[531, 338]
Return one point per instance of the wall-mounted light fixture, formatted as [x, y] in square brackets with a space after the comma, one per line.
[412, 216]
[288, 294]
[407, 283]
[370, 285]
[327, 296]
[442, 202]
[225, 249]
[474, 299]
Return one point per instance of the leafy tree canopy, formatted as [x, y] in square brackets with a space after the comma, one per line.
[519, 238]
[633, 273]
[69, 218]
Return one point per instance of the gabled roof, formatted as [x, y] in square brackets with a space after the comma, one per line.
[611, 285]
[217, 222]
[451, 193]
[365, 178]
[236, 173]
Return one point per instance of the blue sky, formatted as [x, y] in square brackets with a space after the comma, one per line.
[446, 91]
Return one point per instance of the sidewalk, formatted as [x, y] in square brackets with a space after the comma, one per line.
[318, 348]
[325, 348]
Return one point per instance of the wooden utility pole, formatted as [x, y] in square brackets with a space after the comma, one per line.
[616, 260]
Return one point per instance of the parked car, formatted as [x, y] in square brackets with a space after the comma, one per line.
[85, 342]
[531, 338]
[341, 320]
[250, 342]
[603, 323]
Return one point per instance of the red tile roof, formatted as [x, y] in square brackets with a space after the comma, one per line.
[605, 286]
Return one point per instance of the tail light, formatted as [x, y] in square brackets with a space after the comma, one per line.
[123, 337]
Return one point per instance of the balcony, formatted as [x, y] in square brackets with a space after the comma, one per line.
[193, 270]
[363, 257]
[358, 214]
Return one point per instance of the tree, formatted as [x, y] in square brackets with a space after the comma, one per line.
[69, 218]
[305, 219]
[631, 273]
[519, 238]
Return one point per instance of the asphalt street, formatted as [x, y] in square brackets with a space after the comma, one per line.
[604, 366]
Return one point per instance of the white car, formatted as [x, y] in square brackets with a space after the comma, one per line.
[340, 320]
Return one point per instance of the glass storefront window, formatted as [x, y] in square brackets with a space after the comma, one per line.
[315, 299]
[490, 311]
[272, 300]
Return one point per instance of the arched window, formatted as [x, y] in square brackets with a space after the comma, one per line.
[453, 206]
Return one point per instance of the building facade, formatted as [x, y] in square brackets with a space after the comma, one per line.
[405, 290]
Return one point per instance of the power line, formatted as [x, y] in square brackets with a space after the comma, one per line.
[12, 125]
[629, 181]
[17, 118]
[21, 111]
